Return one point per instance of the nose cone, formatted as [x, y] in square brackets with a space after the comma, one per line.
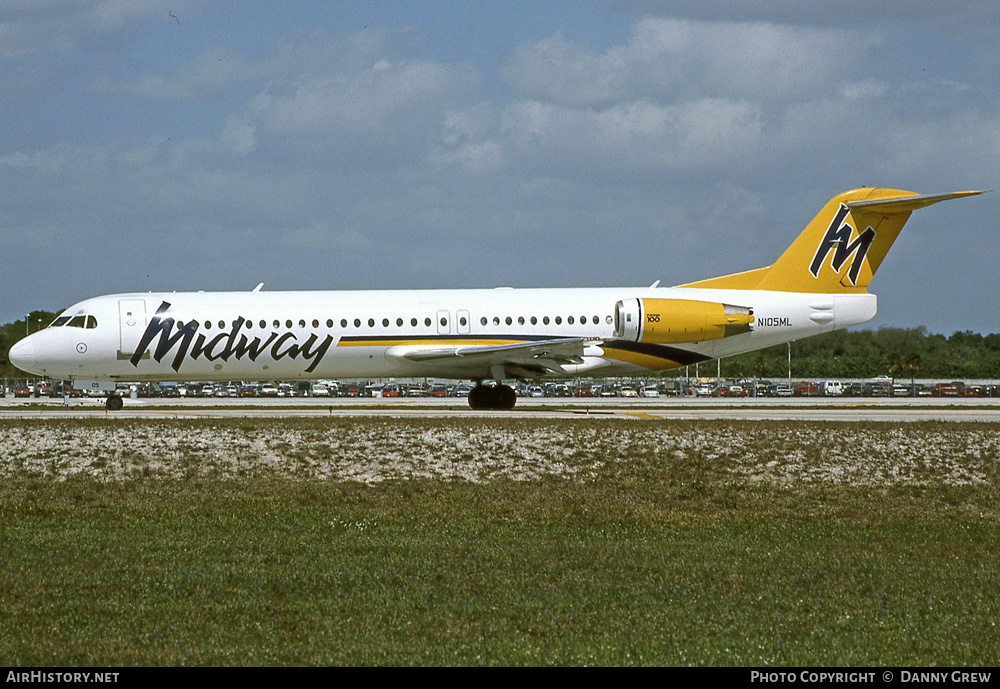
[22, 355]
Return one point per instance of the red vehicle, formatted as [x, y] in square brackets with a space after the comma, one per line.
[805, 388]
[22, 391]
[729, 391]
[953, 389]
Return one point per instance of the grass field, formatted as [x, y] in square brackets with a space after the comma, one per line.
[503, 542]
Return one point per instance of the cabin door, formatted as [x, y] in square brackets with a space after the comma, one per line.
[132, 319]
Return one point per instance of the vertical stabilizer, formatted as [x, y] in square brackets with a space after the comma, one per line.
[843, 246]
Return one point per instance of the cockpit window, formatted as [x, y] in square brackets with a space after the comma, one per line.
[78, 320]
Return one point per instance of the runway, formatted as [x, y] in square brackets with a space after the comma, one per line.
[899, 410]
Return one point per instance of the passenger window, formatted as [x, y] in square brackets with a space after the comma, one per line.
[545, 320]
[413, 322]
[357, 322]
[343, 322]
[520, 320]
[263, 325]
[462, 320]
[385, 322]
[399, 322]
[534, 320]
[288, 323]
[427, 322]
[570, 320]
[371, 322]
[558, 320]
[483, 321]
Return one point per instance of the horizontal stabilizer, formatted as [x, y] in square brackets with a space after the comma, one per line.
[905, 204]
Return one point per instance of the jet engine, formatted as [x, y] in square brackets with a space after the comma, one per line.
[671, 321]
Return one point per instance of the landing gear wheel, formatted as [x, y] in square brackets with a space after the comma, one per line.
[114, 403]
[504, 397]
[479, 397]
[497, 398]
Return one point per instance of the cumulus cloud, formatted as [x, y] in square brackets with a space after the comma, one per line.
[32, 27]
[373, 99]
[238, 136]
[630, 137]
[212, 71]
[672, 59]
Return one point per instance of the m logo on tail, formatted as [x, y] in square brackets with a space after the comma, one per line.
[838, 240]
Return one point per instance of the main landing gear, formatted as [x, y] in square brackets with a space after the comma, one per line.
[496, 397]
[114, 403]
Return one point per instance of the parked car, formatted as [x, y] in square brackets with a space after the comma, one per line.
[319, 390]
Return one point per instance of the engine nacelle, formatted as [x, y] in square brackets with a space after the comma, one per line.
[671, 321]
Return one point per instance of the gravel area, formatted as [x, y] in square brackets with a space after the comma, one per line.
[477, 451]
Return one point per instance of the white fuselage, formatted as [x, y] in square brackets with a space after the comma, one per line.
[368, 334]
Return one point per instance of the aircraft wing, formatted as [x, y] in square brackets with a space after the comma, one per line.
[537, 357]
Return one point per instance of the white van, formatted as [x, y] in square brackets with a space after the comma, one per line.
[832, 387]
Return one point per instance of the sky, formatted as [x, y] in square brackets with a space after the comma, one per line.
[180, 145]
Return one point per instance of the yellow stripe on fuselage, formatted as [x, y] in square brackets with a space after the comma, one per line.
[429, 342]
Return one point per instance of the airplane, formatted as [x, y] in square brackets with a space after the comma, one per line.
[817, 285]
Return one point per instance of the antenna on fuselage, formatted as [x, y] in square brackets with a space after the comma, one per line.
[258, 287]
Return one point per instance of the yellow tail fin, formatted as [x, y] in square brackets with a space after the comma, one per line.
[843, 246]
